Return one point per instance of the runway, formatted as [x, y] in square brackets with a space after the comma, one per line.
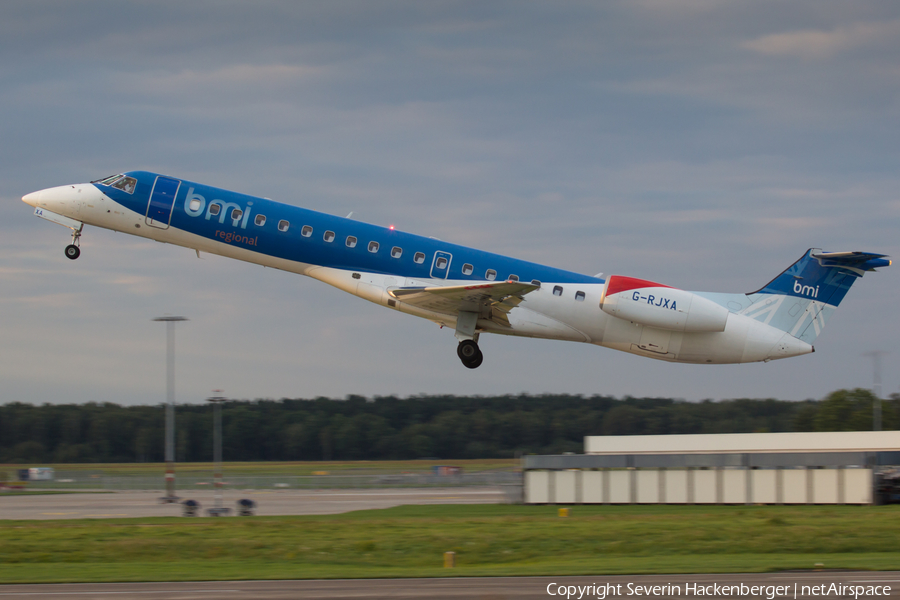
[494, 588]
[269, 502]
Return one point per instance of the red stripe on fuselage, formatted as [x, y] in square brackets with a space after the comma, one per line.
[619, 283]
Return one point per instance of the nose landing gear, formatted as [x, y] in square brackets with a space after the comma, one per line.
[72, 250]
[469, 354]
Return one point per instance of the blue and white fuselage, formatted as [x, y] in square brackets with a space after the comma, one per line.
[468, 290]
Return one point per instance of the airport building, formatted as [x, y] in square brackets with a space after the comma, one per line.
[742, 468]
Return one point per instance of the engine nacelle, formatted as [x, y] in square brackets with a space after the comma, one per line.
[661, 306]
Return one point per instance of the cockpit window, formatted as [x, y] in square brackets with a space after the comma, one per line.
[121, 182]
[126, 184]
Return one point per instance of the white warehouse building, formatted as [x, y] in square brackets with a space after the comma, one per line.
[742, 468]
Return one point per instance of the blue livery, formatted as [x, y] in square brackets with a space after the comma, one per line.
[278, 230]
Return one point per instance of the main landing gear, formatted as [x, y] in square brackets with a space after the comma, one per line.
[467, 350]
[469, 354]
[72, 250]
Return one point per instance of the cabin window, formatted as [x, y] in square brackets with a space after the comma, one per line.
[195, 204]
[441, 263]
[306, 231]
[283, 225]
[536, 282]
[419, 257]
[513, 278]
[260, 220]
[373, 247]
[351, 241]
[236, 214]
[579, 296]
[214, 209]
[329, 236]
[396, 252]
[490, 275]
[126, 184]
[557, 290]
[467, 269]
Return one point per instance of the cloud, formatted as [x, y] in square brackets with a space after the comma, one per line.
[628, 137]
[818, 44]
[234, 79]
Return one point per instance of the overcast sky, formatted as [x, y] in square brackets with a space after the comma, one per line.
[701, 144]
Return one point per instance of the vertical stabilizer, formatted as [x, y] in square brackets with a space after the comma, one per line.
[803, 297]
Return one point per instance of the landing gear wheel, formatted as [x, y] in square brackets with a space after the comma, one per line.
[467, 350]
[469, 354]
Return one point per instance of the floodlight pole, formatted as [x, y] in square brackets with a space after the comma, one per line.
[170, 496]
[876, 355]
[218, 509]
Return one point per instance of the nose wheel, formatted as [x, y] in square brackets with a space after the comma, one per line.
[72, 250]
[469, 354]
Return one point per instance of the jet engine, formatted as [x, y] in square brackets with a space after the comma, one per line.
[661, 306]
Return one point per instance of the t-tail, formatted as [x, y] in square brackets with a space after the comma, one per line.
[803, 297]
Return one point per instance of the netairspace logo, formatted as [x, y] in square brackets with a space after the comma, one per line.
[770, 592]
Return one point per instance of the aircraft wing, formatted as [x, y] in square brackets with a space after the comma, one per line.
[490, 300]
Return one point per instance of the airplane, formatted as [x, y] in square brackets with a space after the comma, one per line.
[464, 289]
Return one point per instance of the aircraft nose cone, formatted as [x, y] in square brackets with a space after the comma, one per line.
[33, 198]
[64, 199]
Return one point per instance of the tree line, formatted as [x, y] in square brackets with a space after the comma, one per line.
[444, 427]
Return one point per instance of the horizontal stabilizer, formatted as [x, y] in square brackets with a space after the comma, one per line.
[853, 261]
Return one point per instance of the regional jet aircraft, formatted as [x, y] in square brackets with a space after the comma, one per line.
[468, 290]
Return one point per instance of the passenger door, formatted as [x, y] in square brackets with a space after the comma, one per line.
[162, 200]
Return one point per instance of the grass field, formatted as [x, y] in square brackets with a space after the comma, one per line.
[488, 540]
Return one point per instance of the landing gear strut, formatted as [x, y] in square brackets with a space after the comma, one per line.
[72, 250]
[469, 354]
